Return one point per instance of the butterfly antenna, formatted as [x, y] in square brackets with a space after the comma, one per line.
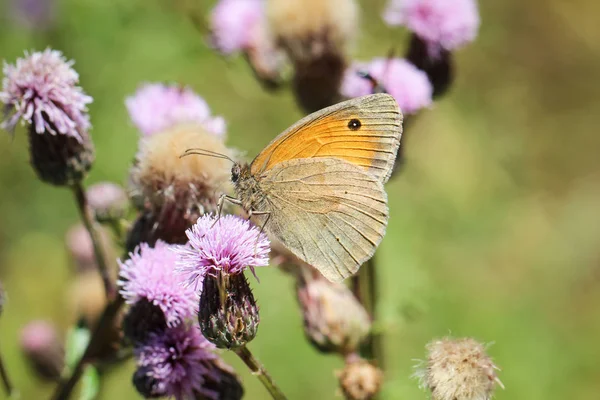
[204, 152]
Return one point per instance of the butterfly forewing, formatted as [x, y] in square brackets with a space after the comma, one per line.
[364, 131]
[329, 213]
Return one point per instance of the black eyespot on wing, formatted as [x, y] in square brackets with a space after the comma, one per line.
[354, 124]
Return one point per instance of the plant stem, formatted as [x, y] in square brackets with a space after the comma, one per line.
[88, 222]
[64, 389]
[8, 387]
[258, 370]
[369, 291]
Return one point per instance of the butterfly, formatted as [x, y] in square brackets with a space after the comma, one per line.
[318, 186]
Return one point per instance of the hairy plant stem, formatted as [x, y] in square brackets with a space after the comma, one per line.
[100, 333]
[88, 222]
[368, 290]
[258, 370]
[8, 387]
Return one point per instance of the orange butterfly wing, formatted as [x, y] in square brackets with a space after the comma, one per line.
[364, 131]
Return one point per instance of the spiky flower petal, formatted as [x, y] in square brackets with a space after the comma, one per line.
[149, 274]
[230, 245]
[41, 90]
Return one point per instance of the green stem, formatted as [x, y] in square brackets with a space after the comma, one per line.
[368, 287]
[258, 370]
[88, 222]
[101, 332]
[8, 387]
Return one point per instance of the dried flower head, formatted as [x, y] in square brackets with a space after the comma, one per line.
[230, 245]
[87, 296]
[41, 345]
[156, 107]
[316, 36]
[409, 86]
[458, 369]
[334, 320]
[108, 201]
[177, 190]
[175, 363]
[234, 24]
[149, 274]
[228, 314]
[360, 380]
[448, 24]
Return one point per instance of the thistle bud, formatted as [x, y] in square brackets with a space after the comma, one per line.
[43, 349]
[228, 314]
[334, 320]
[108, 201]
[41, 90]
[458, 369]
[360, 380]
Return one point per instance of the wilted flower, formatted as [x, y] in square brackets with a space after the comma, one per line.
[235, 23]
[360, 380]
[41, 345]
[458, 369]
[334, 320]
[86, 296]
[41, 90]
[316, 36]
[149, 274]
[230, 245]
[448, 24]
[409, 86]
[156, 107]
[177, 190]
[107, 200]
[175, 363]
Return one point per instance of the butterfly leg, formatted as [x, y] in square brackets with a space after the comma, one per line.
[262, 227]
[220, 203]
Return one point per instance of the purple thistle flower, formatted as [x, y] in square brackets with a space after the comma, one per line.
[156, 107]
[41, 89]
[409, 86]
[149, 274]
[175, 363]
[446, 23]
[230, 246]
[235, 24]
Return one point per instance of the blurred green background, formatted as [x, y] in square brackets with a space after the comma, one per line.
[495, 219]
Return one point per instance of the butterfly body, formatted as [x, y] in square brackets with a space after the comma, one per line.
[318, 187]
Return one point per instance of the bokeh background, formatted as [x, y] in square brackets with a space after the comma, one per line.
[495, 218]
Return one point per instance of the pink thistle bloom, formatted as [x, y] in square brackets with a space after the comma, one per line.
[409, 85]
[234, 24]
[41, 89]
[156, 107]
[149, 274]
[230, 246]
[175, 363]
[446, 23]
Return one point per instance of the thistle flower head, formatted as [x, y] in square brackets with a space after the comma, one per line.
[230, 246]
[360, 380]
[449, 24]
[41, 90]
[173, 363]
[334, 320]
[41, 345]
[149, 274]
[409, 86]
[235, 23]
[156, 107]
[177, 190]
[458, 369]
[108, 201]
